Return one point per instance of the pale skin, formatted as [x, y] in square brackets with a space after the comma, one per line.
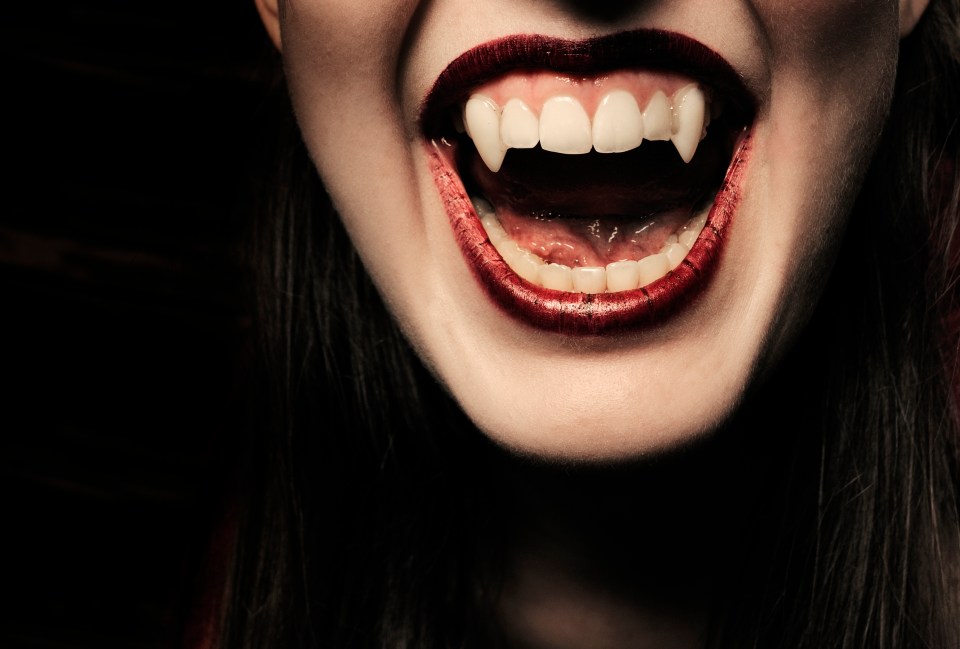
[823, 73]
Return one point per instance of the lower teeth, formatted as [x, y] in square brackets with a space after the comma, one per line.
[625, 275]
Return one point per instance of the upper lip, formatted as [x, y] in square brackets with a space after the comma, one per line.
[647, 49]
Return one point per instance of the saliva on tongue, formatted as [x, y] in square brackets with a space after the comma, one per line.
[594, 209]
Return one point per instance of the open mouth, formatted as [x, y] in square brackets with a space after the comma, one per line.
[590, 183]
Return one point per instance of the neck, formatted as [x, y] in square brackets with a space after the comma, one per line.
[624, 556]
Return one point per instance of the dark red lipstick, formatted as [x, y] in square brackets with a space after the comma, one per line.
[571, 312]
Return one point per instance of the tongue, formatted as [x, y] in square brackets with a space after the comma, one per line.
[591, 241]
[594, 209]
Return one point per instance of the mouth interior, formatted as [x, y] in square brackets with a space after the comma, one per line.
[598, 208]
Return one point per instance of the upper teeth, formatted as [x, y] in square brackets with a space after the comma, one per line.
[563, 125]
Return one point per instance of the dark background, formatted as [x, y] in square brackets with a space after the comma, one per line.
[124, 322]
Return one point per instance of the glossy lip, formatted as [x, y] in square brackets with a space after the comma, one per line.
[581, 313]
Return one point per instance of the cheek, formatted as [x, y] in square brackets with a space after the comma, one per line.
[339, 45]
[828, 36]
[833, 67]
[341, 61]
[350, 25]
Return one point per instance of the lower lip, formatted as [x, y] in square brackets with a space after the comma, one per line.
[582, 313]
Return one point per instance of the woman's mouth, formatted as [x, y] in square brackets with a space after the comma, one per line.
[590, 183]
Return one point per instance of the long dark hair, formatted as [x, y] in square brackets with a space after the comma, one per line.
[364, 516]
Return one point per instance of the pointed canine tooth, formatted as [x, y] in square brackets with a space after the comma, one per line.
[481, 116]
[617, 124]
[652, 268]
[687, 237]
[519, 127]
[675, 253]
[689, 107]
[698, 222]
[623, 275]
[589, 279]
[556, 276]
[565, 126]
[658, 118]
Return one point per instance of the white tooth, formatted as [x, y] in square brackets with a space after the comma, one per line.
[623, 275]
[481, 205]
[697, 223]
[617, 124]
[522, 262]
[492, 227]
[535, 257]
[658, 118]
[652, 268]
[526, 266]
[565, 126]
[689, 107]
[675, 253]
[505, 247]
[687, 237]
[556, 276]
[673, 238]
[482, 119]
[589, 279]
[519, 127]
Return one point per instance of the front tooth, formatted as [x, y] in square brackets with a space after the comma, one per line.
[565, 126]
[589, 279]
[519, 127]
[689, 107]
[617, 124]
[481, 117]
[658, 118]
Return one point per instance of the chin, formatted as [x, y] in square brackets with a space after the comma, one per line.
[593, 427]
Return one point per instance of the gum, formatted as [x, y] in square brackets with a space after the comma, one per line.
[534, 88]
